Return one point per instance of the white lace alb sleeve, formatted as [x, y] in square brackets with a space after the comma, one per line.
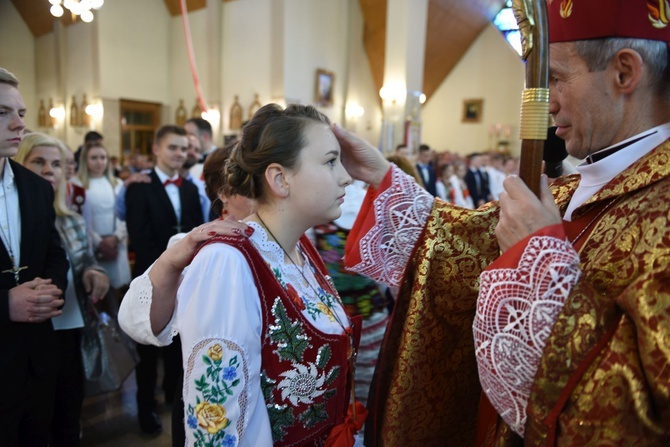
[401, 211]
[134, 314]
[516, 311]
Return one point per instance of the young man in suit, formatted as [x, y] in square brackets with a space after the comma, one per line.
[478, 180]
[155, 212]
[426, 170]
[202, 130]
[33, 274]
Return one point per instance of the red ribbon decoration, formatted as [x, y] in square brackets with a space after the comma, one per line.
[343, 435]
[191, 57]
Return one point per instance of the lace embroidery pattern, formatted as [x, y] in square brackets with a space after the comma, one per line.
[516, 311]
[137, 321]
[401, 212]
[293, 281]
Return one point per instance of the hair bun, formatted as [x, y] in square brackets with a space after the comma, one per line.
[273, 135]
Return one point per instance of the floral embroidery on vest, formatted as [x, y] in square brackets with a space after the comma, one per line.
[305, 383]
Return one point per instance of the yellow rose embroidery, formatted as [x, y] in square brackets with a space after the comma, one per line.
[215, 352]
[326, 311]
[211, 417]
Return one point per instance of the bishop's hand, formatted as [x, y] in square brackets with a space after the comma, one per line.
[522, 213]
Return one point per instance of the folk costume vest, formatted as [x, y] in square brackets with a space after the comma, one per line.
[304, 372]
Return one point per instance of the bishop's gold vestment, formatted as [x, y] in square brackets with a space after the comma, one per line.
[604, 377]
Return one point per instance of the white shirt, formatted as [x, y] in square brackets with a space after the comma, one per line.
[172, 192]
[10, 214]
[596, 175]
[496, 178]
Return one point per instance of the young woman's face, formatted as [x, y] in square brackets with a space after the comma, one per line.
[45, 161]
[70, 165]
[97, 162]
[317, 185]
[461, 170]
[447, 172]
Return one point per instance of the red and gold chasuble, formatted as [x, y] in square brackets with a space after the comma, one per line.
[305, 373]
[604, 374]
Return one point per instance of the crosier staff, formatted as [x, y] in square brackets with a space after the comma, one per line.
[531, 15]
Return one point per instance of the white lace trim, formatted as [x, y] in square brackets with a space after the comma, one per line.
[291, 274]
[274, 255]
[516, 311]
[134, 314]
[401, 212]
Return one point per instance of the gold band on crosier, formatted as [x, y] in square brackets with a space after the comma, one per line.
[534, 113]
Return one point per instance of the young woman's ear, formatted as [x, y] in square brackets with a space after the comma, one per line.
[275, 176]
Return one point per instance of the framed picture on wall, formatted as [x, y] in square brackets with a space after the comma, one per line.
[472, 110]
[324, 88]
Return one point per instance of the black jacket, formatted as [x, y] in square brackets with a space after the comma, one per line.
[26, 346]
[151, 219]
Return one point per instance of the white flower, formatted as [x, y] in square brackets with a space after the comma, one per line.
[302, 384]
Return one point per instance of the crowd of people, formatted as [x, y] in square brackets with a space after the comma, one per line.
[507, 319]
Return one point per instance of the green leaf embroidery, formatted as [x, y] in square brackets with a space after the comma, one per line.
[332, 375]
[313, 415]
[323, 356]
[287, 335]
[281, 416]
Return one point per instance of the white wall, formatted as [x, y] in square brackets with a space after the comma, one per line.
[247, 63]
[315, 36]
[134, 39]
[490, 70]
[180, 78]
[18, 56]
[361, 89]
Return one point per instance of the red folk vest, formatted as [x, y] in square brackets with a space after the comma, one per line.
[304, 372]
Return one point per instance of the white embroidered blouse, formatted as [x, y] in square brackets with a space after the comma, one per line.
[218, 316]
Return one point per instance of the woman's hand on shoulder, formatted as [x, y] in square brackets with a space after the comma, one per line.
[179, 254]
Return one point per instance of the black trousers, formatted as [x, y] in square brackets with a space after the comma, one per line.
[178, 432]
[147, 373]
[27, 422]
[65, 426]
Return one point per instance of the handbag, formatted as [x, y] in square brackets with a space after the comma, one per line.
[108, 354]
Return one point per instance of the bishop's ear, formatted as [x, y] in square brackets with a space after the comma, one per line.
[628, 65]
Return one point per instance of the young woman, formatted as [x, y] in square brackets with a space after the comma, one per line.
[46, 157]
[462, 196]
[267, 344]
[443, 185]
[146, 312]
[108, 233]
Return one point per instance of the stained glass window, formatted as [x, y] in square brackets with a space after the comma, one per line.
[506, 23]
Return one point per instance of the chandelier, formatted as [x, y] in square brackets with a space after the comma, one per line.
[81, 8]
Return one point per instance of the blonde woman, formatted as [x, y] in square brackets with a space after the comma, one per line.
[108, 233]
[46, 157]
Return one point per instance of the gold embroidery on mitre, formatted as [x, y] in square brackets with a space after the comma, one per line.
[566, 8]
[658, 13]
